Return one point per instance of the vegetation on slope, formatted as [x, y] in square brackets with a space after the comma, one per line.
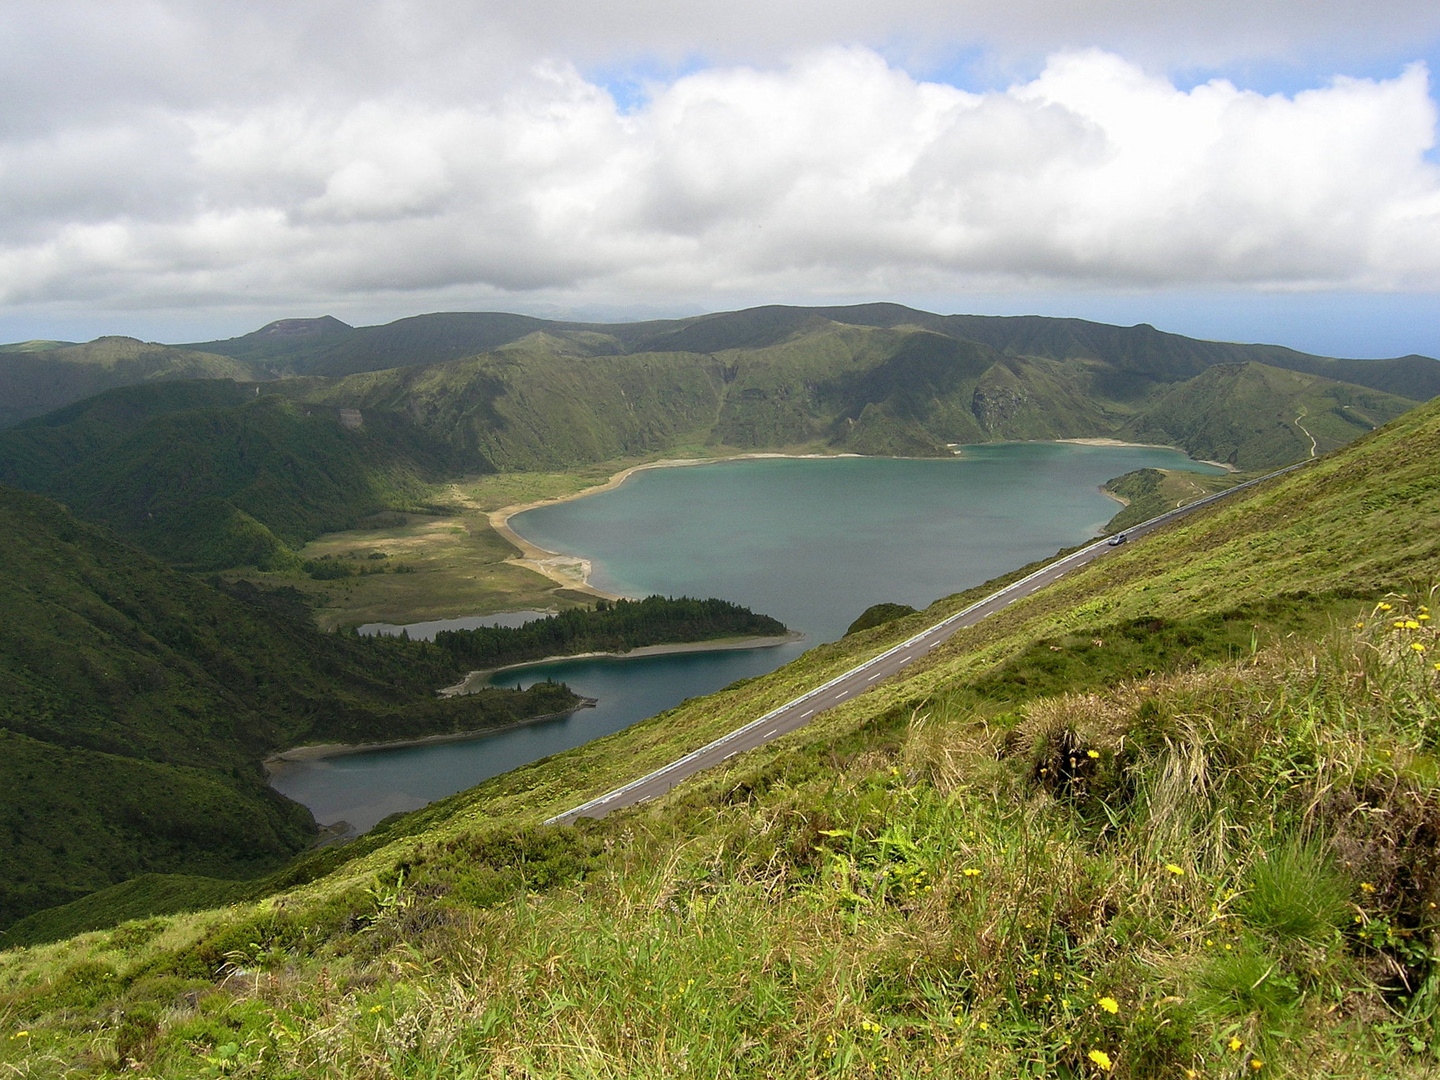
[284, 345]
[44, 376]
[1148, 493]
[1139, 358]
[616, 627]
[1256, 417]
[209, 481]
[137, 702]
[878, 615]
[1212, 854]
[545, 402]
[207, 476]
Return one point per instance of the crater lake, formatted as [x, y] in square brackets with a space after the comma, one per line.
[810, 541]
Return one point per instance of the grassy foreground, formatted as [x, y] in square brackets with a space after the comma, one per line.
[1175, 816]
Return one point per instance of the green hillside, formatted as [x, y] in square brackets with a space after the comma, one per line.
[285, 343]
[210, 475]
[214, 475]
[545, 402]
[1141, 357]
[136, 704]
[1158, 357]
[1113, 364]
[1255, 417]
[1173, 814]
[1148, 493]
[35, 381]
[533, 406]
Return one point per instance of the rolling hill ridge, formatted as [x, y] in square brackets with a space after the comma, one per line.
[136, 703]
[371, 418]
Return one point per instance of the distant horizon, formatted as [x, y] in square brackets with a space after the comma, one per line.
[1242, 170]
[1319, 324]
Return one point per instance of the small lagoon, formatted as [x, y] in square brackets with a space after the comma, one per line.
[812, 542]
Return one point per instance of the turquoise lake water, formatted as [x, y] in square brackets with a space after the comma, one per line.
[812, 542]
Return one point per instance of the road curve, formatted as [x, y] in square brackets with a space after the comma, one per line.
[798, 712]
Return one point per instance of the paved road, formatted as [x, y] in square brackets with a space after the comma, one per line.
[797, 713]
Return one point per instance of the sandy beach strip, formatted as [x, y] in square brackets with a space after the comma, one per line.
[1148, 446]
[573, 571]
[275, 762]
[475, 680]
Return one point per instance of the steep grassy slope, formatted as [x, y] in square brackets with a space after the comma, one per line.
[1253, 416]
[35, 381]
[1115, 364]
[286, 344]
[536, 405]
[1200, 838]
[136, 703]
[1149, 493]
[545, 402]
[1141, 357]
[208, 476]
[1142, 354]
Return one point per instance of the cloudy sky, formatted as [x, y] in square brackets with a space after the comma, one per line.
[1238, 169]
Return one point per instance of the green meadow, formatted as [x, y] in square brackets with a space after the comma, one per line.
[1172, 816]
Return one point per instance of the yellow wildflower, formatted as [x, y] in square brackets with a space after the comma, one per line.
[1092, 753]
[1234, 1043]
[1256, 1064]
[1411, 624]
[1178, 871]
[1109, 1004]
[970, 871]
[1417, 646]
[984, 1026]
[1423, 618]
[21, 1035]
[1365, 886]
[377, 1008]
[1382, 606]
[1101, 1058]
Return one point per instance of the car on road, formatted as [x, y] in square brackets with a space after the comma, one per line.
[1118, 539]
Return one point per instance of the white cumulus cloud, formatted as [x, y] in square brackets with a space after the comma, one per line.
[834, 172]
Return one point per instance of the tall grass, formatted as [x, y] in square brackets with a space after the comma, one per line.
[1221, 873]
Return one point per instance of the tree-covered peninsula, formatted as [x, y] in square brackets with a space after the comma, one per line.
[609, 627]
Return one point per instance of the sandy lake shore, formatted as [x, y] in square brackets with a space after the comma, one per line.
[573, 571]
[1149, 446]
[276, 762]
[476, 679]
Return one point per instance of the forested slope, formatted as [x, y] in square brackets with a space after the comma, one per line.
[1175, 813]
[136, 703]
[209, 475]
